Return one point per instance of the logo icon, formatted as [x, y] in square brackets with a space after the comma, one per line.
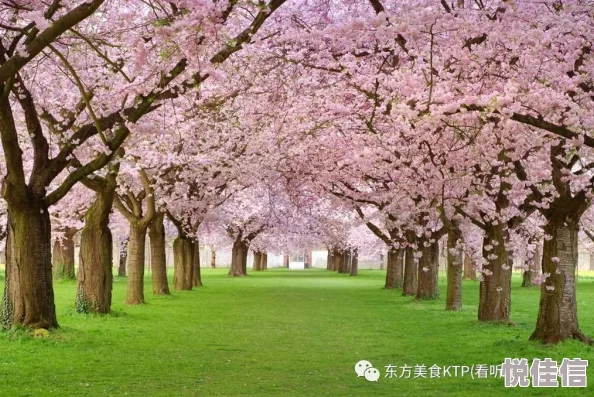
[366, 370]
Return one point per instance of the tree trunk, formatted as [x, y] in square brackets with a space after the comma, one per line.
[330, 260]
[355, 263]
[123, 257]
[196, 274]
[264, 264]
[394, 276]
[158, 256]
[557, 314]
[213, 259]
[63, 256]
[410, 274]
[183, 252]
[257, 266]
[28, 290]
[591, 262]
[428, 272]
[286, 260]
[238, 259]
[495, 286]
[455, 269]
[469, 271]
[338, 259]
[526, 278]
[382, 262]
[95, 273]
[136, 256]
[343, 264]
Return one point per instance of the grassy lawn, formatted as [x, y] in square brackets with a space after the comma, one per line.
[278, 333]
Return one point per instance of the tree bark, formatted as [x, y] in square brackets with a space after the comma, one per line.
[136, 257]
[469, 271]
[123, 257]
[355, 263]
[428, 272]
[495, 286]
[213, 259]
[158, 256]
[257, 266]
[183, 252]
[238, 259]
[330, 260]
[591, 262]
[63, 256]
[28, 290]
[196, 274]
[394, 276]
[455, 269]
[343, 264]
[410, 274]
[95, 274]
[264, 264]
[557, 314]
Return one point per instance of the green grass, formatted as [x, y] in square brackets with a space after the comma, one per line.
[277, 333]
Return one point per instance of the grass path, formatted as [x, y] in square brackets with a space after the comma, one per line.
[277, 333]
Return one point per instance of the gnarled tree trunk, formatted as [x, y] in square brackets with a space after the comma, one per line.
[557, 314]
[158, 256]
[428, 272]
[394, 274]
[196, 274]
[28, 291]
[183, 263]
[410, 274]
[455, 269]
[495, 286]
[136, 257]
[95, 277]
[63, 256]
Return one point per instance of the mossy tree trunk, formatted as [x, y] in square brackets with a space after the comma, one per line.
[158, 255]
[28, 290]
[95, 275]
[63, 255]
